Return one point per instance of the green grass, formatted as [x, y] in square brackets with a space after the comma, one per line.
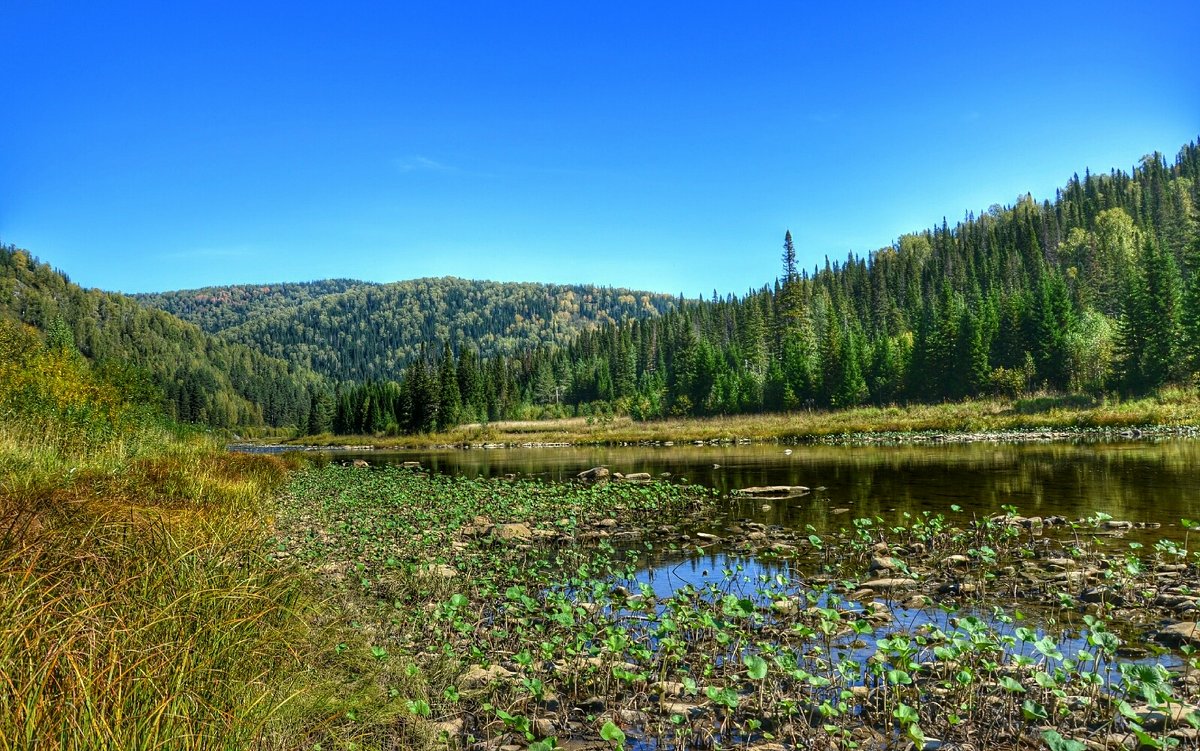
[138, 607]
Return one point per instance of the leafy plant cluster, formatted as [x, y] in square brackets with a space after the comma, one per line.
[564, 634]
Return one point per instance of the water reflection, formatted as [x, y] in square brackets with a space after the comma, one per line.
[1135, 480]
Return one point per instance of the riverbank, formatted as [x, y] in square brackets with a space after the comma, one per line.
[1172, 412]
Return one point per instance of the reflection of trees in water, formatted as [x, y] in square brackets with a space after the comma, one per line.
[1142, 481]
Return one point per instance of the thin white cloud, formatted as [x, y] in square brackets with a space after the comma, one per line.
[211, 253]
[825, 117]
[423, 164]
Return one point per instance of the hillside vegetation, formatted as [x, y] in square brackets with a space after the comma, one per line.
[193, 376]
[1094, 293]
[359, 331]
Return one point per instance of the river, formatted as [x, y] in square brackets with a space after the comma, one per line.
[1155, 481]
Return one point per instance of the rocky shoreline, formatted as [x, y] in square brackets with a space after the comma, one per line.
[1148, 432]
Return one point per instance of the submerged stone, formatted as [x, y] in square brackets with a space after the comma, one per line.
[1178, 634]
[773, 491]
[884, 585]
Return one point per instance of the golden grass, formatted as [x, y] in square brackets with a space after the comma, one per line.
[138, 608]
[1172, 407]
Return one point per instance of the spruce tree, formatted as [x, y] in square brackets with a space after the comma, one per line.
[1190, 314]
[1150, 328]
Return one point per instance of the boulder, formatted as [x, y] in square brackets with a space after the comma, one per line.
[441, 570]
[683, 708]
[1099, 595]
[884, 585]
[886, 563]
[785, 605]
[1157, 719]
[877, 612]
[518, 531]
[595, 473]
[1179, 634]
[478, 676]
[452, 728]
[638, 477]
[773, 491]
[667, 688]
[480, 526]
[592, 705]
[360, 463]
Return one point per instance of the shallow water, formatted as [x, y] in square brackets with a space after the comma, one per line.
[1141, 481]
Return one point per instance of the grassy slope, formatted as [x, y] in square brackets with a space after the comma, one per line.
[1171, 408]
[139, 604]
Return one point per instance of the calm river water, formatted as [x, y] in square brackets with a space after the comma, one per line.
[1142, 481]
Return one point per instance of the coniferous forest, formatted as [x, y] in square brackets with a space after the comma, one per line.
[1095, 292]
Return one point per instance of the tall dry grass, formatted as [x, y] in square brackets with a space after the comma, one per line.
[139, 608]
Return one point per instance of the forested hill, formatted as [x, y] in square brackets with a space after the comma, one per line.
[358, 331]
[216, 309]
[1097, 291]
[198, 377]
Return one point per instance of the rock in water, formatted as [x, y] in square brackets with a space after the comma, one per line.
[883, 585]
[773, 491]
[595, 473]
[1178, 634]
[886, 563]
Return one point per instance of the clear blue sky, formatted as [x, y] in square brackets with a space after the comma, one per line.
[665, 146]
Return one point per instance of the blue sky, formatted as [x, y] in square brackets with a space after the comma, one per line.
[662, 146]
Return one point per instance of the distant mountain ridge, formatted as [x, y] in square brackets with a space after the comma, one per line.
[356, 331]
